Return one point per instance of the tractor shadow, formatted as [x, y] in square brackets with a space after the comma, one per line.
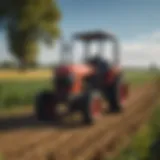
[30, 122]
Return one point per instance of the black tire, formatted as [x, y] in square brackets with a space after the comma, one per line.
[114, 96]
[44, 106]
[87, 108]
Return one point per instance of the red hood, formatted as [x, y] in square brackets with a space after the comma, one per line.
[78, 69]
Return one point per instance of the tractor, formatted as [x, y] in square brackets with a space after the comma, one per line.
[80, 87]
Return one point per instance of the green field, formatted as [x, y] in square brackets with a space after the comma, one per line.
[14, 92]
[20, 93]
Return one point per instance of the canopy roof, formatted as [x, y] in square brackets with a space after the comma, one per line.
[93, 35]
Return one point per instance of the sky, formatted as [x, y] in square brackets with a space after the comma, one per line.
[135, 22]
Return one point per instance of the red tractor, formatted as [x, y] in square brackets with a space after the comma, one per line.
[80, 87]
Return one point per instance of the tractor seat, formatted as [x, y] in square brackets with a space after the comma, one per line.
[99, 63]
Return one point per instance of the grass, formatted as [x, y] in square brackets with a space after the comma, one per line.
[145, 144]
[20, 93]
[1, 157]
[19, 90]
[6, 74]
[138, 77]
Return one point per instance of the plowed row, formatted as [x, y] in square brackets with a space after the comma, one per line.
[26, 139]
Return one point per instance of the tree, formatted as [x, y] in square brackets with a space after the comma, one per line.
[28, 22]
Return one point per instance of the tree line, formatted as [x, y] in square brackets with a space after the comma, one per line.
[27, 23]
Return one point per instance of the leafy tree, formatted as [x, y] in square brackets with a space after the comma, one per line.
[28, 22]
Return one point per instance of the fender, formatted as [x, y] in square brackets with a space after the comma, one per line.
[112, 74]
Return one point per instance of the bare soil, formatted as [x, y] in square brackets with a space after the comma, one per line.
[24, 138]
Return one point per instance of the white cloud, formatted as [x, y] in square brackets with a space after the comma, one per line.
[141, 51]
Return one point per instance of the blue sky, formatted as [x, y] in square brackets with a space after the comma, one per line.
[126, 18]
[135, 22]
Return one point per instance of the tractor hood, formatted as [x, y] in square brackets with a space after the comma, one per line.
[76, 69]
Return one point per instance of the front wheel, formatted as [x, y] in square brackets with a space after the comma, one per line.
[44, 106]
[91, 107]
[117, 94]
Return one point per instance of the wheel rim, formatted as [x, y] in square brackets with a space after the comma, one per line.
[96, 107]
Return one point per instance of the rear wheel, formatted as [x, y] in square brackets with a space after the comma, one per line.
[115, 96]
[92, 107]
[45, 106]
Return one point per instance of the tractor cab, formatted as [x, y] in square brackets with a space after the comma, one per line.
[80, 87]
[90, 65]
[100, 38]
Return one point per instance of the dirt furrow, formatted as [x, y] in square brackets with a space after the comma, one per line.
[91, 135]
[62, 144]
[125, 139]
[32, 139]
[39, 140]
[110, 140]
[102, 135]
[36, 145]
[43, 148]
[92, 140]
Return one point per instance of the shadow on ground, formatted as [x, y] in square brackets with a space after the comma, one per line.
[29, 121]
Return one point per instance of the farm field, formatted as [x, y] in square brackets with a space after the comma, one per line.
[20, 91]
[35, 140]
[8, 74]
